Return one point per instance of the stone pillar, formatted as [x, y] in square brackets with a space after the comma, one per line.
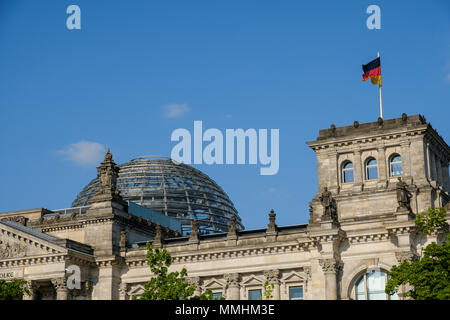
[432, 165]
[109, 279]
[445, 177]
[273, 277]
[233, 286]
[32, 287]
[358, 171]
[333, 170]
[60, 285]
[330, 268]
[439, 171]
[406, 159]
[382, 168]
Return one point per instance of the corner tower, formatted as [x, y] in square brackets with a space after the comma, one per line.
[361, 165]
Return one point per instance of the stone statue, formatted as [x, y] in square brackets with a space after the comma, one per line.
[195, 230]
[123, 239]
[272, 227]
[403, 195]
[107, 174]
[329, 205]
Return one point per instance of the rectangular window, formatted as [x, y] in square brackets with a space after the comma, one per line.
[217, 296]
[296, 293]
[255, 294]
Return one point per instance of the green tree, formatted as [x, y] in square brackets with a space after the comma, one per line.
[429, 277]
[268, 290]
[13, 289]
[165, 285]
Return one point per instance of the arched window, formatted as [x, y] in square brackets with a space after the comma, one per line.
[395, 165]
[371, 286]
[371, 169]
[347, 172]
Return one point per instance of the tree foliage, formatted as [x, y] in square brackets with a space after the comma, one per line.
[13, 289]
[165, 285]
[268, 290]
[428, 277]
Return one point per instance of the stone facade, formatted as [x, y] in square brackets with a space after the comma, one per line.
[356, 225]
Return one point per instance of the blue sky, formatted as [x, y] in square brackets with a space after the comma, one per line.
[289, 65]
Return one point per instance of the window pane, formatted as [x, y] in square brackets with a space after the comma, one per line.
[348, 175]
[375, 285]
[296, 293]
[359, 288]
[348, 165]
[396, 166]
[396, 169]
[217, 296]
[372, 173]
[254, 294]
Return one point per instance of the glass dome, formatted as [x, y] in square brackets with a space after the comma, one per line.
[173, 189]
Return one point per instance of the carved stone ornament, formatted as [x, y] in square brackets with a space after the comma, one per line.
[123, 239]
[273, 276]
[107, 174]
[19, 219]
[158, 234]
[12, 250]
[59, 283]
[329, 265]
[232, 279]
[194, 281]
[194, 231]
[123, 289]
[232, 230]
[272, 227]
[307, 271]
[405, 256]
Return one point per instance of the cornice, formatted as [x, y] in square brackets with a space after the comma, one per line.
[229, 254]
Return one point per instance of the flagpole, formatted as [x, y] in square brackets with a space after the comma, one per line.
[381, 98]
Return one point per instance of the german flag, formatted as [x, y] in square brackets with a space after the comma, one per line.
[372, 70]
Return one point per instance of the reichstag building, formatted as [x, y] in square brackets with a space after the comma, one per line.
[373, 178]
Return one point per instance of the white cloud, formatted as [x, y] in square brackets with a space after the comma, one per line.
[228, 116]
[176, 110]
[84, 152]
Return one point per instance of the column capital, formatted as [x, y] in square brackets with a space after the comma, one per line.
[329, 265]
[273, 276]
[232, 279]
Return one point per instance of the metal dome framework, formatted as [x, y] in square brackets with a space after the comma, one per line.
[174, 189]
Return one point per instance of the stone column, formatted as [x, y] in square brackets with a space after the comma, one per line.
[433, 165]
[445, 177]
[406, 159]
[333, 171]
[233, 286]
[438, 171]
[60, 285]
[382, 168]
[330, 268]
[358, 171]
[32, 287]
[273, 277]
